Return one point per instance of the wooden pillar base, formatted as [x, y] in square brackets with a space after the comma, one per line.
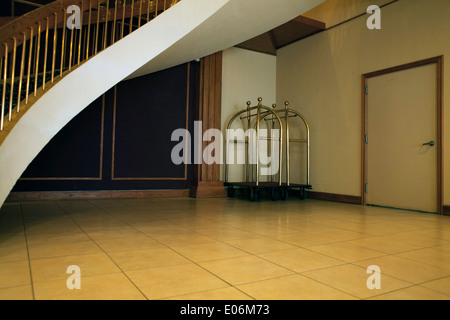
[207, 182]
[208, 189]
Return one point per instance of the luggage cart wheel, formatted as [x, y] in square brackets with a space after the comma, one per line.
[283, 194]
[302, 194]
[275, 194]
[254, 194]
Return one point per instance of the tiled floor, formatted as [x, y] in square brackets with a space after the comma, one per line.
[224, 249]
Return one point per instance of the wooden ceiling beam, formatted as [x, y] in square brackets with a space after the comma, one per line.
[310, 22]
[273, 41]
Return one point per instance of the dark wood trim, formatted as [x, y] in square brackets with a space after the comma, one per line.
[446, 210]
[402, 67]
[440, 134]
[273, 42]
[5, 20]
[310, 22]
[65, 195]
[208, 189]
[333, 197]
[209, 105]
[363, 139]
[439, 61]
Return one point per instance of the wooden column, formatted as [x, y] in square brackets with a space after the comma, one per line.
[207, 177]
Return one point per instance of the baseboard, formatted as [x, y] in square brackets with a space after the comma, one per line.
[333, 197]
[446, 210]
[116, 194]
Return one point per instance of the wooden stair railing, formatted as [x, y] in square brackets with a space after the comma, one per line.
[42, 46]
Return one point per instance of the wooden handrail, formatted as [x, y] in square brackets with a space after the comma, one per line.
[15, 27]
[20, 24]
[39, 44]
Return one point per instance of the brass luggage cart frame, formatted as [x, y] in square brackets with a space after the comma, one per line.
[278, 189]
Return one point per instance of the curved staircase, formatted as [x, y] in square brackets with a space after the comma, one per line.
[49, 72]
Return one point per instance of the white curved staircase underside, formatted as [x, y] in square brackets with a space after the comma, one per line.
[192, 29]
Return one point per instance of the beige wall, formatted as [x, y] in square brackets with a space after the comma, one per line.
[322, 75]
[333, 12]
[247, 75]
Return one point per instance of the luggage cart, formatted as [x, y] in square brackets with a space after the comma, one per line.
[286, 113]
[252, 181]
[251, 120]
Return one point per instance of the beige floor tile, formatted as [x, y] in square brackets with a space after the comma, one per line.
[16, 293]
[208, 251]
[13, 274]
[61, 249]
[122, 243]
[300, 260]
[268, 228]
[97, 221]
[13, 253]
[115, 286]
[233, 241]
[182, 238]
[440, 285]
[49, 238]
[417, 240]
[50, 269]
[304, 239]
[229, 293]
[441, 232]
[140, 220]
[406, 269]
[52, 227]
[353, 280]
[260, 245]
[387, 228]
[147, 258]
[189, 223]
[294, 287]
[412, 293]
[344, 225]
[244, 269]
[224, 233]
[435, 256]
[339, 235]
[105, 232]
[10, 226]
[160, 227]
[165, 282]
[383, 244]
[8, 239]
[346, 251]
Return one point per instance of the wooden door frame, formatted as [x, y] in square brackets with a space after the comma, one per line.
[439, 61]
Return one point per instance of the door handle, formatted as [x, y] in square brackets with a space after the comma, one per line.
[431, 144]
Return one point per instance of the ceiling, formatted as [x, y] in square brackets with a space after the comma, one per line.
[334, 12]
[323, 16]
[294, 30]
[228, 26]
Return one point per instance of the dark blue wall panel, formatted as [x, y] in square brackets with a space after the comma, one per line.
[122, 141]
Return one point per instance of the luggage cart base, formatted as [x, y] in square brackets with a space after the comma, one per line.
[277, 191]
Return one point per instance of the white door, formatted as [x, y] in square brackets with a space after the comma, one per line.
[402, 133]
